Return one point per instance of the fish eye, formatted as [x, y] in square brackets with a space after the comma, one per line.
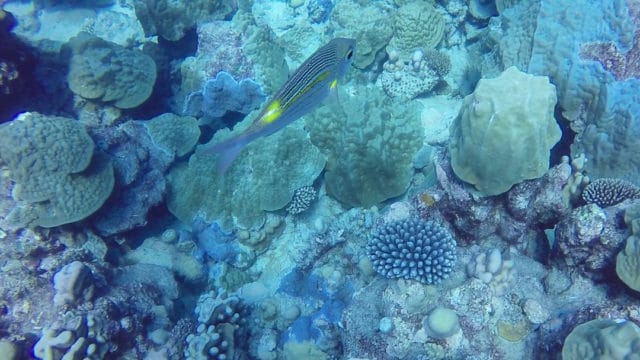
[349, 54]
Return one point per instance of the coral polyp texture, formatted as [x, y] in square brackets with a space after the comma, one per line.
[105, 71]
[505, 131]
[59, 179]
[607, 191]
[413, 250]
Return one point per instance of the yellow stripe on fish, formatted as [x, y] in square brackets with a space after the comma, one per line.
[309, 85]
[273, 112]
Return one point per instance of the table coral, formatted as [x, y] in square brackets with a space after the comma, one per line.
[110, 73]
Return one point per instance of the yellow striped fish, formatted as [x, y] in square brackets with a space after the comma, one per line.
[309, 85]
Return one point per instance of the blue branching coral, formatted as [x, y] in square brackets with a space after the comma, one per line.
[412, 249]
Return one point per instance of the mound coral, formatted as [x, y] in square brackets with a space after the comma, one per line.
[264, 177]
[412, 249]
[58, 178]
[417, 25]
[602, 338]
[369, 146]
[504, 132]
[110, 73]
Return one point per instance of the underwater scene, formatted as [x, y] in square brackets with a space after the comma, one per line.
[320, 179]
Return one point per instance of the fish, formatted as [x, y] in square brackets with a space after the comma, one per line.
[305, 89]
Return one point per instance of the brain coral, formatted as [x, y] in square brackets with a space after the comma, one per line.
[58, 178]
[108, 72]
[417, 25]
[369, 145]
[413, 249]
[504, 131]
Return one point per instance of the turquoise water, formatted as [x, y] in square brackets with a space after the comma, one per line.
[460, 184]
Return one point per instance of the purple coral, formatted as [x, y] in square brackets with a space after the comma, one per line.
[139, 167]
[220, 46]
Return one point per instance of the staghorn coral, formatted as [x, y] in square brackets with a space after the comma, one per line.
[412, 249]
[606, 192]
[220, 333]
[302, 199]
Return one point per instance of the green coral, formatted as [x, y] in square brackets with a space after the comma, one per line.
[417, 25]
[105, 71]
[628, 260]
[504, 131]
[263, 178]
[370, 144]
[177, 134]
[58, 178]
[602, 339]
[369, 24]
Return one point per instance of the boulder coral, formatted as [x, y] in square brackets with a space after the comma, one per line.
[504, 132]
[263, 178]
[369, 145]
[102, 70]
[59, 179]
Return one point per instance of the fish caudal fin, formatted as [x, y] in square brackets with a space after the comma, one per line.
[228, 150]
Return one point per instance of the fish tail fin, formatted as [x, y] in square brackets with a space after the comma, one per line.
[228, 151]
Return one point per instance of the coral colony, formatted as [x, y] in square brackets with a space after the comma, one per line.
[468, 190]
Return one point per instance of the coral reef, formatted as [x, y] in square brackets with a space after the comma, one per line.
[302, 199]
[488, 124]
[412, 249]
[223, 96]
[192, 190]
[333, 238]
[110, 73]
[58, 178]
[369, 146]
[172, 19]
[606, 192]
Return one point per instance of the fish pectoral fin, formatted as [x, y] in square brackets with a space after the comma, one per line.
[333, 100]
